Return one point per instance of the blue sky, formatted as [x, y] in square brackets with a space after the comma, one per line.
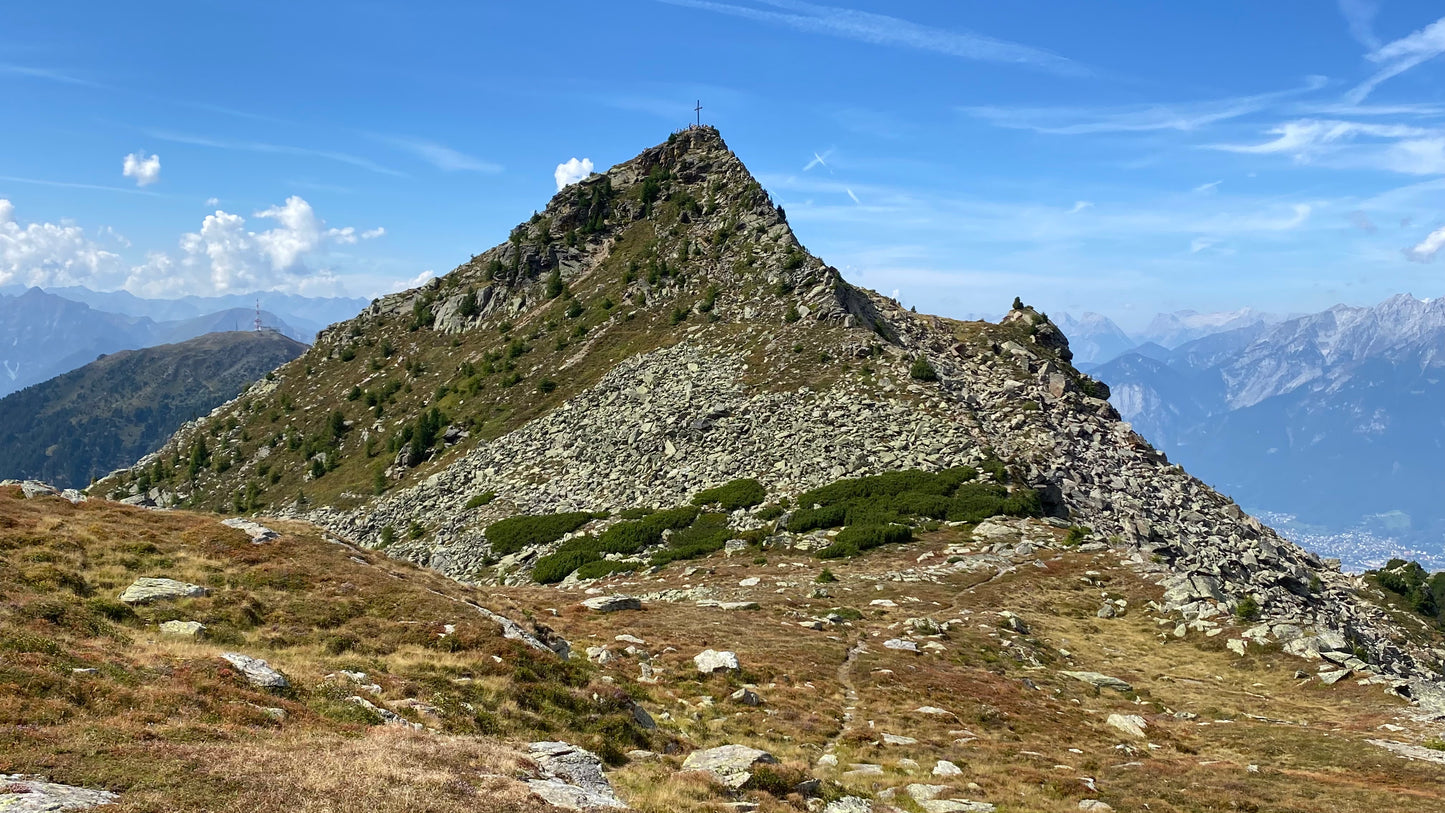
[1125, 157]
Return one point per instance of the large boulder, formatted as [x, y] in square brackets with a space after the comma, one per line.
[731, 765]
[1100, 681]
[259, 533]
[572, 777]
[257, 672]
[184, 629]
[144, 591]
[32, 794]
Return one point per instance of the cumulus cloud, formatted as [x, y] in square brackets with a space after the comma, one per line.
[146, 170]
[1425, 250]
[407, 284]
[571, 172]
[228, 255]
[213, 202]
[52, 253]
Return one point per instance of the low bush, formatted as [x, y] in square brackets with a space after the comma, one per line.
[479, 500]
[518, 533]
[741, 493]
[855, 539]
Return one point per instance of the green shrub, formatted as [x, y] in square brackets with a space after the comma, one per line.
[855, 539]
[922, 370]
[826, 577]
[604, 567]
[1247, 609]
[741, 493]
[625, 538]
[1077, 535]
[518, 533]
[708, 534]
[479, 500]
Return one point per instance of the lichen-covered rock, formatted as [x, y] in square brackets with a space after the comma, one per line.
[572, 778]
[146, 590]
[731, 765]
[183, 629]
[257, 672]
[709, 661]
[612, 604]
[33, 794]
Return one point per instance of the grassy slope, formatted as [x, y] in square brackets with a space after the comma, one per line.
[91, 421]
[170, 725]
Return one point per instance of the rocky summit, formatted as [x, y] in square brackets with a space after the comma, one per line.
[651, 377]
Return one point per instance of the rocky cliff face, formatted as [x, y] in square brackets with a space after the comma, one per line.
[658, 330]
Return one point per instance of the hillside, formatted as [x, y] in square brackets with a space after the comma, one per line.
[999, 667]
[653, 369]
[1331, 417]
[44, 334]
[91, 421]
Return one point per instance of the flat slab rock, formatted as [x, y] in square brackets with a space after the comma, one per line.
[146, 590]
[1100, 680]
[32, 794]
[731, 765]
[259, 533]
[611, 604]
[257, 672]
[572, 778]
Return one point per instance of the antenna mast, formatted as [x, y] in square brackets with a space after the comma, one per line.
[258, 315]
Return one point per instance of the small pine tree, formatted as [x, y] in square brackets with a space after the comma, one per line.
[554, 284]
[922, 370]
[1018, 304]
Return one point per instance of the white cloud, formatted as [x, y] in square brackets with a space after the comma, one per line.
[1081, 205]
[439, 155]
[213, 202]
[274, 149]
[1182, 117]
[51, 253]
[407, 284]
[1360, 15]
[1402, 55]
[1208, 187]
[1426, 249]
[818, 161]
[1199, 244]
[881, 29]
[372, 234]
[146, 170]
[227, 256]
[571, 172]
[853, 196]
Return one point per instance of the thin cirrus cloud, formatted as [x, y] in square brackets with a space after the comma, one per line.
[439, 155]
[1360, 16]
[1183, 117]
[882, 29]
[274, 149]
[46, 74]
[1401, 55]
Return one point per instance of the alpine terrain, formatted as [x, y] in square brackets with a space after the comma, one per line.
[88, 422]
[724, 532]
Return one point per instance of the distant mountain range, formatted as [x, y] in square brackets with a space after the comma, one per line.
[46, 333]
[1332, 422]
[110, 412]
[1096, 339]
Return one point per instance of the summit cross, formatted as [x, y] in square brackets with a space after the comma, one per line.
[698, 111]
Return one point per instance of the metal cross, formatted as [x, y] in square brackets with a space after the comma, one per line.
[698, 111]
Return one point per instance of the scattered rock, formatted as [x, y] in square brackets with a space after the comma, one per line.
[388, 717]
[1095, 806]
[1013, 622]
[33, 794]
[257, 672]
[611, 604]
[259, 534]
[184, 629]
[731, 765]
[1131, 724]
[1100, 681]
[849, 804]
[146, 590]
[901, 644]
[710, 661]
[572, 777]
[945, 768]
[747, 697]
[955, 806]
[898, 739]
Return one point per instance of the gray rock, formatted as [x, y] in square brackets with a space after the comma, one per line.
[185, 629]
[611, 604]
[731, 765]
[1131, 724]
[259, 533]
[572, 777]
[747, 697]
[257, 672]
[901, 644]
[946, 768]
[710, 661]
[33, 794]
[955, 806]
[1100, 681]
[388, 717]
[1095, 806]
[146, 590]
[849, 804]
